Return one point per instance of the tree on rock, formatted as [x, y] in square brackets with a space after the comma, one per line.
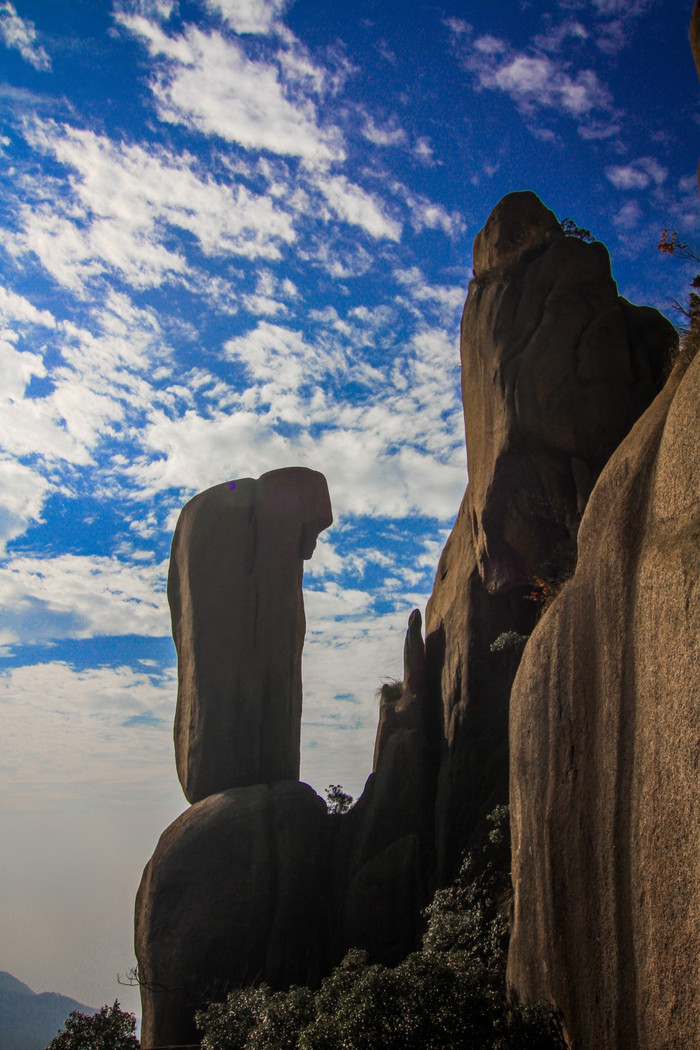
[111, 1028]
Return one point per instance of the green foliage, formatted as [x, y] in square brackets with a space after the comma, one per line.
[450, 995]
[572, 230]
[689, 330]
[111, 1028]
[257, 1019]
[509, 642]
[337, 800]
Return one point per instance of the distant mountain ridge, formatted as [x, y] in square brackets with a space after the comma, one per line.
[29, 1020]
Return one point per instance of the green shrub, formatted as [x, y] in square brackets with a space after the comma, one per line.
[450, 995]
[111, 1028]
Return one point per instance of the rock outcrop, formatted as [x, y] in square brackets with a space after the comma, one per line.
[238, 622]
[235, 891]
[605, 748]
[556, 367]
[383, 872]
[256, 881]
[233, 895]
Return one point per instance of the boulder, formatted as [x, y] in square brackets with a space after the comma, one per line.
[234, 894]
[235, 596]
[604, 755]
[556, 368]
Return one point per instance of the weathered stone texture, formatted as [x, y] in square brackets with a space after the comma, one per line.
[556, 368]
[605, 752]
[234, 894]
[238, 622]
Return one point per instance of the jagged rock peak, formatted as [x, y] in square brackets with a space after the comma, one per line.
[518, 226]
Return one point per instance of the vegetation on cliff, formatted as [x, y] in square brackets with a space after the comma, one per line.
[451, 994]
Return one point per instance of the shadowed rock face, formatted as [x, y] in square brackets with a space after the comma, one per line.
[233, 895]
[556, 368]
[604, 755]
[383, 851]
[238, 622]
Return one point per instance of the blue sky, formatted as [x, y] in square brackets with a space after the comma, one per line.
[236, 235]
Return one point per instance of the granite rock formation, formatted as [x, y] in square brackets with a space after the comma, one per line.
[383, 850]
[604, 755]
[556, 367]
[238, 622]
[257, 881]
[605, 750]
[234, 894]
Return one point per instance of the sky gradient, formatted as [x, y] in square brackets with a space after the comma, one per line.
[236, 235]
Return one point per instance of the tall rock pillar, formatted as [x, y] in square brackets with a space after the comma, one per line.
[238, 622]
[235, 892]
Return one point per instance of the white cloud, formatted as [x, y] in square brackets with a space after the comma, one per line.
[489, 45]
[23, 493]
[357, 207]
[121, 202]
[536, 80]
[249, 16]
[71, 596]
[628, 216]
[103, 377]
[558, 35]
[540, 78]
[390, 136]
[15, 307]
[427, 215]
[209, 84]
[19, 33]
[637, 175]
[423, 151]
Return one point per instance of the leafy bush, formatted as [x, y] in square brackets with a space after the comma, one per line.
[111, 1028]
[257, 1019]
[337, 800]
[450, 995]
[509, 642]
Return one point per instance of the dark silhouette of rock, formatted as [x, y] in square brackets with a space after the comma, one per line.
[383, 874]
[401, 704]
[556, 367]
[604, 755]
[234, 894]
[238, 622]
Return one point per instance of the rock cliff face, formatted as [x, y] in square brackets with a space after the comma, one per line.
[556, 367]
[238, 622]
[605, 743]
[605, 751]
